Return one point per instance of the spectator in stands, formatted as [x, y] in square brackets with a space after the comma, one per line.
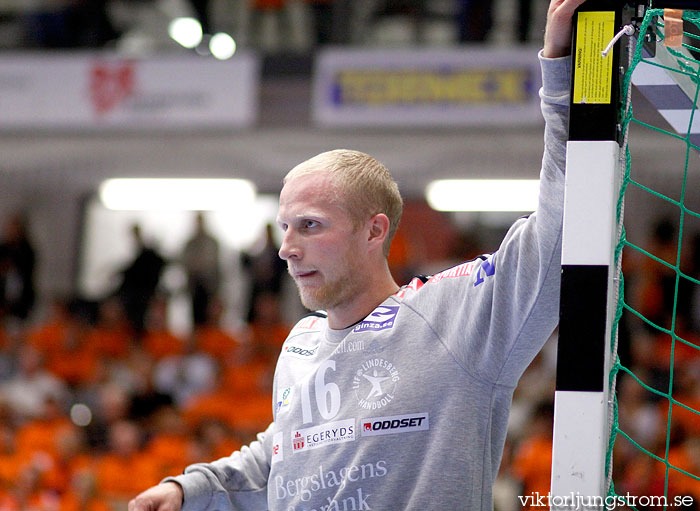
[52, 333]
[638, 415]
[533, 459]
[113, 404]
[38, 434]
[27, 492]
[112, 337]
[69, 457]
[26, 392]
[507, 488]
[62, 338]
[185, 375]
[146, 400]
[125, 468]
[83, 495]
[169, 442]
[689, 292]
[266, 270]
[10, 459]
[659, 281]
[200, 258]
[158, 340]
[215, 440]
[17, 264]
[139, 280]
[212, 338]
[243, 405]
[686, 385]
[267, 330]
[685, 457]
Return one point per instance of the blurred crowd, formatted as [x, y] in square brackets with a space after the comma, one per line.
[267, 25]
[660, 345]
[100, 400]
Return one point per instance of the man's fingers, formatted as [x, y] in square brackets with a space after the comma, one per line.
[162, 497]
[558, 33]
[566, 7]
[138, 504]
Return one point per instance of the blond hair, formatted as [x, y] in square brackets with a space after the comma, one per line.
[363, 186]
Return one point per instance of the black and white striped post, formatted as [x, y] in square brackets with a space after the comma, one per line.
[581, 429]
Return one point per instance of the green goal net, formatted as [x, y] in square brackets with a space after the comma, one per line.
[653, 457]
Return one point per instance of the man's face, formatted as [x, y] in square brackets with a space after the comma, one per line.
[322, 247]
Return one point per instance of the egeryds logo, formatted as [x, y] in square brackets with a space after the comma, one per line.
[395, 424]
[300, 352]
[325, 434]
[382, 318]
[298, 442]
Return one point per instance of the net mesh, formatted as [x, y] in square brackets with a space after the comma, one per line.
[653, 454]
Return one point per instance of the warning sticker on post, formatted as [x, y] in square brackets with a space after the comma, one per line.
[593, 75]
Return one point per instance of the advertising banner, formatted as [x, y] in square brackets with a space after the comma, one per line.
[413, 88]
[95, 91]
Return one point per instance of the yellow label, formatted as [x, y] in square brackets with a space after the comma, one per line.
[593, 75]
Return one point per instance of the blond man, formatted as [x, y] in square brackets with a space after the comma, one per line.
[393, 398]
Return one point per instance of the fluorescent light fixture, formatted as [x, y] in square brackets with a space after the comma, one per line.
[483, 194]
[222, 46]
[142, 194]
[186, 31]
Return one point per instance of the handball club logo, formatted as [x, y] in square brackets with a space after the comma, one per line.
[110, 85]
[375, 383]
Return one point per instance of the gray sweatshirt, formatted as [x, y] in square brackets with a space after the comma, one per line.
[408, 408]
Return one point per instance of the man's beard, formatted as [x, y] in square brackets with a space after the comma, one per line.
[333, 293]
[326, 297]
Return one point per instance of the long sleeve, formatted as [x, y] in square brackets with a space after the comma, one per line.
[507, 306]
[238, 482]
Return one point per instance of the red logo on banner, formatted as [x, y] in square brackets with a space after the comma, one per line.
[110, 84]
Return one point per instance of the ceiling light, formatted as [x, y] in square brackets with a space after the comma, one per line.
[143, 194]
[186, 31]
[483, 194]
[222, 46]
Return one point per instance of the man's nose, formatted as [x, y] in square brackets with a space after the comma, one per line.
[289, 247]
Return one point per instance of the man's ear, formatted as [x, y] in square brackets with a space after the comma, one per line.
[378, 229]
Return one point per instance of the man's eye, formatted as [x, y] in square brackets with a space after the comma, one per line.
[309, 224]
